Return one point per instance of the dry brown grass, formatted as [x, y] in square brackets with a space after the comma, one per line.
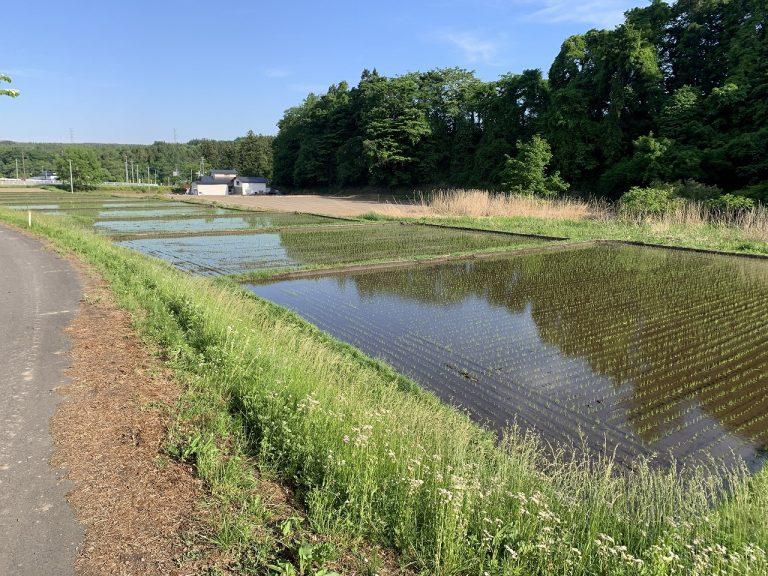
[481, 203]
[753, 224]
[484, 203]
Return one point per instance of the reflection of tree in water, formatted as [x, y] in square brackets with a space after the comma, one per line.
[651, 319]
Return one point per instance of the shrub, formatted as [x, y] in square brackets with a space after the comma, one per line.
[758, 192]
[526, 173]
[731, 203]
[694, 190]
[650, 201]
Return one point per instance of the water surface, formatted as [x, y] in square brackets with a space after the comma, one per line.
[193, 225]
[650, 351]
[318, 246]
[211, 255]
[160, 212]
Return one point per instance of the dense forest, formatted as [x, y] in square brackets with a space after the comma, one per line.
[251, 155]
[676, 93]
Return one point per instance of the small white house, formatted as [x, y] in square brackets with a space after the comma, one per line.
[249, 185]
[210, 186]
[224, 182]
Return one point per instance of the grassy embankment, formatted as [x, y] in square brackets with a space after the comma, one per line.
[372, 457]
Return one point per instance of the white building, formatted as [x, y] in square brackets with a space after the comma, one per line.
[224, 182]
[249, 185]
[210, 186]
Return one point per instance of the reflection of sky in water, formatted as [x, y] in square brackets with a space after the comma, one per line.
[35, 207]
[212, 224]
[186, 225]
[210, 255]
[160, 212]
[141, 203]
[497, 361]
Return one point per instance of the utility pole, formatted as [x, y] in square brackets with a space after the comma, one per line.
[23, 165]
[126, 168]
[17, 168]
[71, 182]
[176, 172]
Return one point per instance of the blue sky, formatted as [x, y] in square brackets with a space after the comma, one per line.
[133, 71]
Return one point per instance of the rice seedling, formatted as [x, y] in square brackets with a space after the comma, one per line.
[634, 351]
[196, 224]
[315, 246]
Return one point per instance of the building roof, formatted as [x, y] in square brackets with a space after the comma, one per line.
[214, 180]
[252, 179]
[223, 171]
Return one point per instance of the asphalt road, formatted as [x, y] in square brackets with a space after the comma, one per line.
[39, 295]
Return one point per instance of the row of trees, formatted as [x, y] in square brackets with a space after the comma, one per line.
[251, 155]
[677, 92]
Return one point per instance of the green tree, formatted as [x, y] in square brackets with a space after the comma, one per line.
[606, 89]
[7, 91]
[253, 155]
[508, 110]
[677, 92]
[393, 126]
[87, 172]
[526, 173]
[648, 164]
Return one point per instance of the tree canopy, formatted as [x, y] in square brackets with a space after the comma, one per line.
[86, 171]
[677, 92]
[7, 91]
[171, 163]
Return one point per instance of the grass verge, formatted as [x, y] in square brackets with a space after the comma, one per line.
[373, 457]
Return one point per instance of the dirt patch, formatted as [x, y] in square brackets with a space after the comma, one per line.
[139, 508]
[144, 513]
[342, 206]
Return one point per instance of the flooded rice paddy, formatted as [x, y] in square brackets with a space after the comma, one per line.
[637, 351]
[318, 246]
[211, 224]
[648, 351]
[159, 212]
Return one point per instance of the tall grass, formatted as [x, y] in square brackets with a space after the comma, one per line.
[691, 214]
[484, 203]
[752, 223]
[372, 456]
